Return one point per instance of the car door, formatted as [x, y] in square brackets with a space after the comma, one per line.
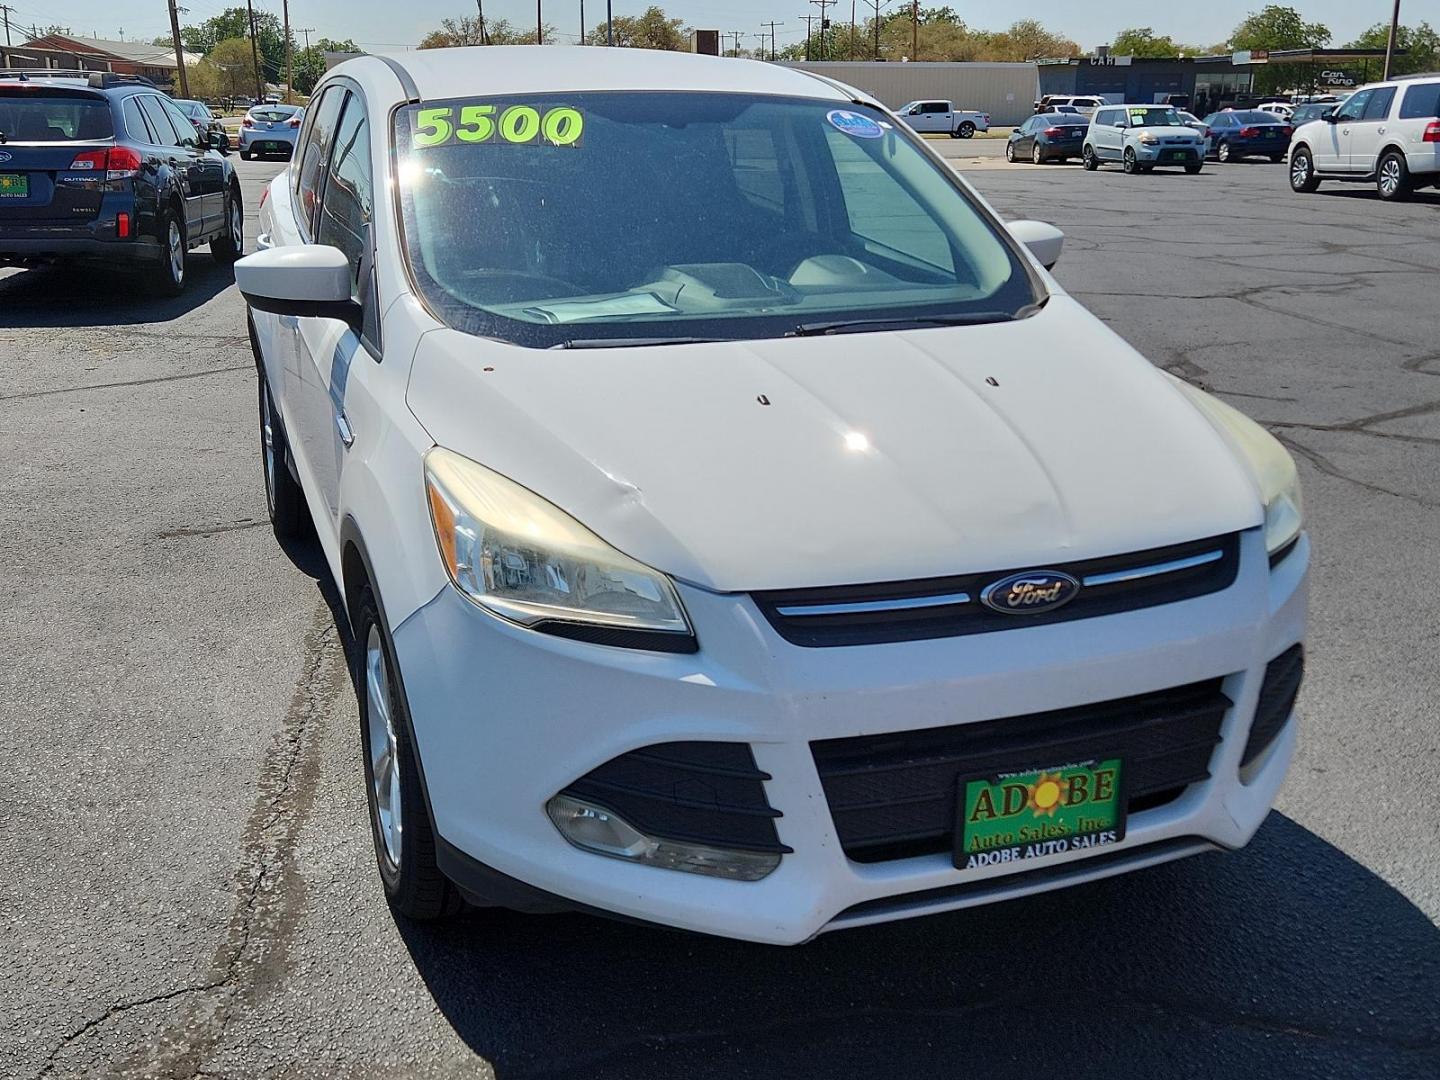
[206, 167]
[170, 153]
[1107, 134]
[1336, 156]
[1027, 131]
[1367, 134]
[327, 347]
[931, 116]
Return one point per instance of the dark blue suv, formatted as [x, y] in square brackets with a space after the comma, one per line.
[103, 166]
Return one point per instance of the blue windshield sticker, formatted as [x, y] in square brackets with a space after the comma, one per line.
[854, 124]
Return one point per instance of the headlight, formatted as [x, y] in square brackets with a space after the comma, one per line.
[1148, 139]
[1271, 464]
[528, 561]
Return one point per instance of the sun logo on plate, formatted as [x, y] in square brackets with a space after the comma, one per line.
[1045, 795]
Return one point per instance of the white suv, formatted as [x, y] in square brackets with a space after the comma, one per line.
[766, 548]
[1388, 133]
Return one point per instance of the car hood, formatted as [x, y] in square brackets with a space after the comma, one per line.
[1162, 132]
[851, 458]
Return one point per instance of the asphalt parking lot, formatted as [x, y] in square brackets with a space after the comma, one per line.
[189, 885]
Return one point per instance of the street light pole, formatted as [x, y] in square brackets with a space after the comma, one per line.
[1390, 44]
[289, 69]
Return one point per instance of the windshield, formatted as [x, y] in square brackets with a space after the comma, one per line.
[36, 118]
[1159, 116]
[549, 219]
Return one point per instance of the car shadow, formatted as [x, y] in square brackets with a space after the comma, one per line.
[1286, 959]
[1366, 191]
[84, 294]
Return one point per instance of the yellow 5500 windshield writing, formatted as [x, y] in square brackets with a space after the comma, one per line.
[519, 125]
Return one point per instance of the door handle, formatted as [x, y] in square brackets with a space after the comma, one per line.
[1381, 129]
[342, 425]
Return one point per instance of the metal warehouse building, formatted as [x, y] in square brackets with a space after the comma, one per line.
[1006, 91]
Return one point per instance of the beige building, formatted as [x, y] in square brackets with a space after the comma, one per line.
[1007, 92]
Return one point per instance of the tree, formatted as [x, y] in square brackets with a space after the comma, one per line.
[1420, 43]
[466, 31]
[235, 23]
[233, 67]
[1143, 41]
[652, 30]
[1275, 27]
[310, 63]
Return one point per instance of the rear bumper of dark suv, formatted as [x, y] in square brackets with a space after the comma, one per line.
[31, 242]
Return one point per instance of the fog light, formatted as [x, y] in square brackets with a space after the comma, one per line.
[593, 828]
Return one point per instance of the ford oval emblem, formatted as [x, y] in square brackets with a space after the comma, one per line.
[1030, 593]
[4, 156]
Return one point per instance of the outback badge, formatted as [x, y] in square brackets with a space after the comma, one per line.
[1030, 593]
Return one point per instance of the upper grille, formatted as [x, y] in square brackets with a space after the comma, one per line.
[893, 796]
[1277, 701]
[950, 606]
[696, 792]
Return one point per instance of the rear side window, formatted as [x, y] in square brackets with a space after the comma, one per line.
[165, 133]
[1421, 101]
[37, 118]
[1378, 107]
[316, 150]
[135, 125]
[180, 122]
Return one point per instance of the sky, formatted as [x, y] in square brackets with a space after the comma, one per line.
[385, 24]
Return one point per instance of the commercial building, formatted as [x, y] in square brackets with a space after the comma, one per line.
[74, 53]
[1006, 91]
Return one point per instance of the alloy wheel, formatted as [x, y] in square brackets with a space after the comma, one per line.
[267, 443]
[175, 248]
[1389, 177]
[237, 226]
[1223, 151]
[384, 752]
[1299, 171]
[1036, 155]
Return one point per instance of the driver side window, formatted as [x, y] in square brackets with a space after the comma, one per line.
[1354, 106]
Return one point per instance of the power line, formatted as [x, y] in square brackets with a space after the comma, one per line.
[772, 24]
[824, 21]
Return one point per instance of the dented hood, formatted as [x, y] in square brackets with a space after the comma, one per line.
[851, 458]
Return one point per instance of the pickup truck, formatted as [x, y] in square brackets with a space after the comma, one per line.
[927, 116]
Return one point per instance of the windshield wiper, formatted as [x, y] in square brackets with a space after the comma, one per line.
[630, 342]
[900, 322]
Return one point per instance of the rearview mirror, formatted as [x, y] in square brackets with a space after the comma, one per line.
[302, 280]
[1044, 241]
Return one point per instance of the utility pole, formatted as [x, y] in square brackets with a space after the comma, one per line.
[480, 8]
[307, 31]
[179, 51]
[736, 35]
[875, 24]
[539, 24]
[851, 54]
[255, 54]
[582, 22]
[289, 68]
[1390, 44]
[808, 20]
[772, 24]
[914, 29]
[825, 22]
[5, 14]
[609, 24]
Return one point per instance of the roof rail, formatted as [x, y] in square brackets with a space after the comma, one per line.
[26, 74]
[1417, 75]
[104, 80]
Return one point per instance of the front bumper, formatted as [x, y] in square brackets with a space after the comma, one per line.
[504, 718]
[1161, 154]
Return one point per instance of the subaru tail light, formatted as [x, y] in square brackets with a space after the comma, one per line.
[121, 162]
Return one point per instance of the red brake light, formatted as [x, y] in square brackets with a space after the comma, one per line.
[294, 123]
[1054, 131]
[1249, 132]
[1432, 132]
[90, 160]
[121, 161]
[247, 122]
[122, 225]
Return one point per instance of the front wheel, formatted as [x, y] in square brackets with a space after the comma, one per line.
[399, 822]
[1302, 172]
[1130, 163]
[1089, 160]
[1392, 178]
[1037, 155]
[967, 130]
[1010, 152]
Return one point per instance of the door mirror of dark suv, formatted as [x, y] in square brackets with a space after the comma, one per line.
[216, 140]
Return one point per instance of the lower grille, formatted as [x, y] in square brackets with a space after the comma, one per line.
[695, 792]
[893, 796]
[1277, 701]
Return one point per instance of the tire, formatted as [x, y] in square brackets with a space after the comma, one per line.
[1275, 159]
[1130, 163]
[1088, 159]
[167, 277]
[1302, 172]
[229, 245]
[283, 497]
[1192, 169]
[1392, 177]
[967, 130]
[1222, 153]
[1037, 156]
[246, 155]
[399, 820]
[1010, 152]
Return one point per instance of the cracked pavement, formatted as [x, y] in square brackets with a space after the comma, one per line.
[189, 883]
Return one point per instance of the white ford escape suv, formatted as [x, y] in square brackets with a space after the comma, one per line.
[1388, 134]
[740, 528]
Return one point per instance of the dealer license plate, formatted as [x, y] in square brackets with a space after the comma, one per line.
[1176, 155]
[1015, 817]
[14, 186]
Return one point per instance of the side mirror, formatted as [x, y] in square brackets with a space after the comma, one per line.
[1330, 118]
[1044, 241]
[215, 139]
[302, 280]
